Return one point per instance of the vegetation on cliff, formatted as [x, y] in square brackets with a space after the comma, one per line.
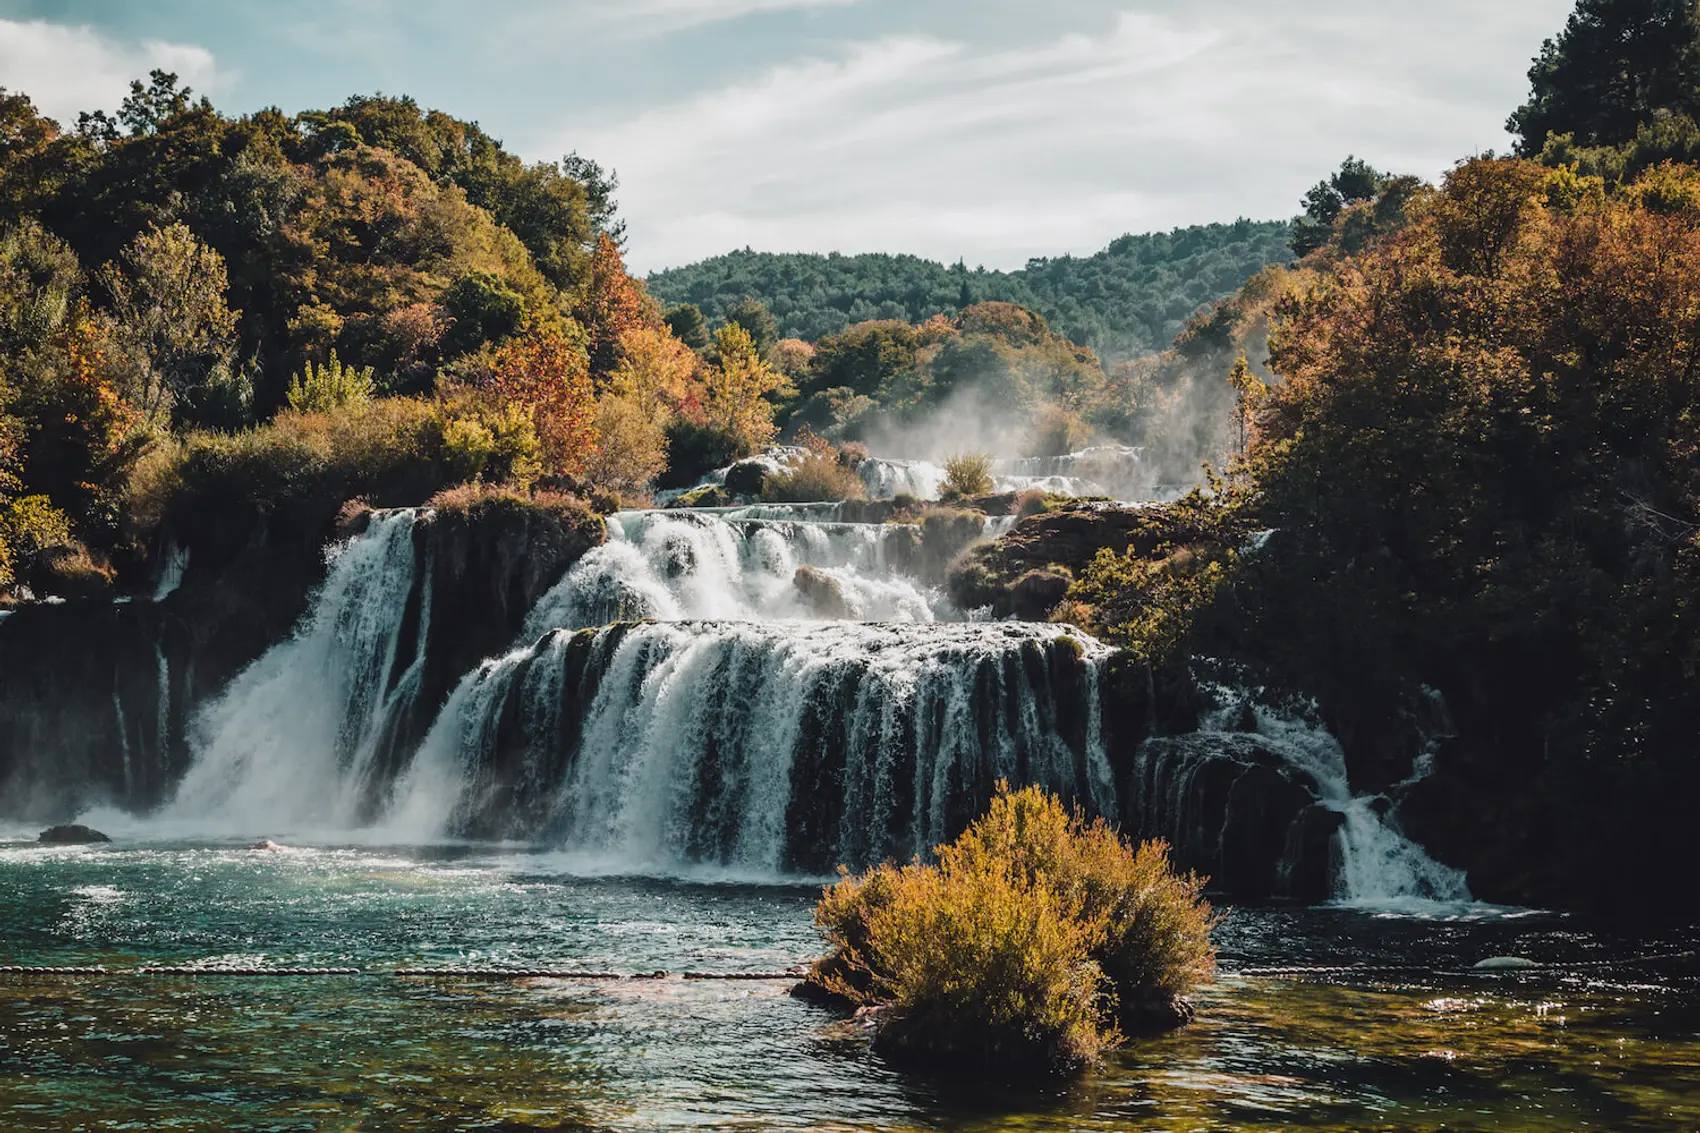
[1472, 470]
[1037, 942]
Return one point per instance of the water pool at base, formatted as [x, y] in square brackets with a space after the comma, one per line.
[1605, 1036]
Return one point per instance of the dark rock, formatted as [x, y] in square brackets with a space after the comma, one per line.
[746, 479]
[72, 835]
[1154, 1013]
[1233, 811]
[1038, 592]
[1307, 863]
[1067, 539]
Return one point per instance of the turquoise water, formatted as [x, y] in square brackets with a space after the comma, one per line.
[1607, 1037]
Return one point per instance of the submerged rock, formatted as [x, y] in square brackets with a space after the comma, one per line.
[72, 835]
[268, 846]
[1505, 964]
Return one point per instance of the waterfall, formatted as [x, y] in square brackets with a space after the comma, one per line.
[294, 741]
[885, 478]
[756, 747]
[678, 565]
[1377, 865]
[172, 564]
[1102, 470]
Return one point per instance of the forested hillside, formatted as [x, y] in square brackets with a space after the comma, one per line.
[1130, 299]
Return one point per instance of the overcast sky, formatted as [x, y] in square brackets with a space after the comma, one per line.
[988, 130]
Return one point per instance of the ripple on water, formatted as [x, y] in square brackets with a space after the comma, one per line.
[1378, 1023]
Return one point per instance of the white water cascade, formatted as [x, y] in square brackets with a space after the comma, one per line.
[757, 746]
[293, 743]
[1378, 865]
[678, 565]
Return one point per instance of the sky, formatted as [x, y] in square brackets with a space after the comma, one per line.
[984, 130]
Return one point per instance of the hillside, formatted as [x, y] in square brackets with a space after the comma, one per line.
[1132, 298]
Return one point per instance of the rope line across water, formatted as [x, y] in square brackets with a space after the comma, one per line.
[429, 973]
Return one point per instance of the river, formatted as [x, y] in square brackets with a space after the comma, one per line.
[1389, 1030]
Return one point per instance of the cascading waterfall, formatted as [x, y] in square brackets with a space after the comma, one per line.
[760, 690]
[294, 742]
[1378, 865]
[757, 747]
[682, 565]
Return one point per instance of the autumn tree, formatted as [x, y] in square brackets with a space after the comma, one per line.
[549, 373]
[78, 434]
[737, 388]
[655, 380]
[613, 303]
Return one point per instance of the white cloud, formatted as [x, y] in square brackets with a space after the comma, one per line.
[66, 69]
[676, 14]
[1216, 109]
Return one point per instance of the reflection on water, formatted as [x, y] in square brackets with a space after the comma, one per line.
[1606, 1036]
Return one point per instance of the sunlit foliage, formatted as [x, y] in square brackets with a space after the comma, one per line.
[1026, 948]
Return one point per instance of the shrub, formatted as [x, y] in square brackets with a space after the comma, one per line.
[68, 571]
[395, 450]
[29, 525]
[1030, 944]
[817, 477]
[478, 499]
[331, 386]
[1056, 432]
[694, 449]
[1028, 503]
[969, 474]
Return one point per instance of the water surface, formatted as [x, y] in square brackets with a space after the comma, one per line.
[1325, 1019]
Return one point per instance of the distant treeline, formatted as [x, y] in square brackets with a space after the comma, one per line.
[1130, 299]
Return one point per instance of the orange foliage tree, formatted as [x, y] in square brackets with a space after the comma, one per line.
[549, 373]
[613, 305]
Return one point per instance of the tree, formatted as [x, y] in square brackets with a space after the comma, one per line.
[600, 185]
[737, 389]
[331, 386]
[1617, 65]
[149, 107]
[40, 280]
[78, 434]
[549, 373]
[1355, 181]
[169, 299]
[688, 325]
[613, 303]
[752, 314]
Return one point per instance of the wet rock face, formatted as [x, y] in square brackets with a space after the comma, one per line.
[1235, 811]
[821, 592]
[1058, 543]
[95, 695]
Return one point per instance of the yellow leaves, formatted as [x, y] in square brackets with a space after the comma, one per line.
[735, 397]
[1024, 940]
